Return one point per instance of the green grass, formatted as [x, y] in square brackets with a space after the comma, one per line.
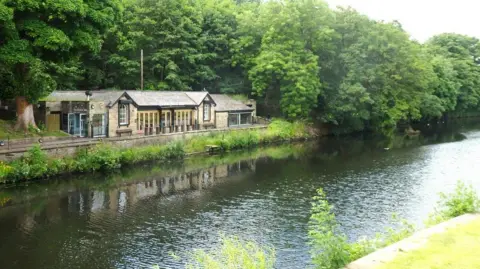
[459, 247]
[7, 130]
[36, 164]
[278, 130]
[233, 253]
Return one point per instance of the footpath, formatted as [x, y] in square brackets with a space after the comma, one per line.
[22, 145]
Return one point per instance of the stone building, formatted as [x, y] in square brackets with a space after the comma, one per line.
[231, 113]
[110, 113]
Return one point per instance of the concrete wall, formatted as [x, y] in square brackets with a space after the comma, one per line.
[221, 119]
[113, 120]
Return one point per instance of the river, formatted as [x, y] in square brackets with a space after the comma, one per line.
[139, 216]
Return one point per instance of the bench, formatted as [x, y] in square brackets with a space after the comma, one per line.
[124, 131]
[213, 148]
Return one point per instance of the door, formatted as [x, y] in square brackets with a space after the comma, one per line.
[71, 123]
[98, 124]
[53, 122]
[83, 125]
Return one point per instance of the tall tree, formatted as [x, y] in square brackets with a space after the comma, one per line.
[377, 76]
[463, 52]
[169, 32]
[286, 67]
[42, 42]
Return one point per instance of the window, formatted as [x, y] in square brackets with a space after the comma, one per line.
[206, 112]
[245, 118]
[123, 114]
[233, 119]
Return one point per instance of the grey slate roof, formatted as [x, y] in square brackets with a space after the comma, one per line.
[161, 98]
[107, 96]
[152, 98]
[226, 103]
[197, 97]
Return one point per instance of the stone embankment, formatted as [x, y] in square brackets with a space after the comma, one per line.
[68, 146]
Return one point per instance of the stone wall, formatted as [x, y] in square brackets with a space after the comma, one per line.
[221, 119]
[68, 146]
[136, 141]
[201, 122]
[113, 120]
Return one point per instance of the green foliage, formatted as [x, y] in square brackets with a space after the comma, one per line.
[464, 199]
[330, 248]
[234, 253]
[103, 157]
[36, 164]
[299, 59]
[462, 75]
[43, 41]
[278, 130]
[32, 165]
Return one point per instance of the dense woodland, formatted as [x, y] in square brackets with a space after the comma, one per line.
[300, 59]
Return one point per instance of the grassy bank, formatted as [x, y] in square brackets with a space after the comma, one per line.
[456, 248]
[331, 249]
[36, 164]
[7, 131]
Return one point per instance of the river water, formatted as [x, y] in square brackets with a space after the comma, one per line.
[140, 216]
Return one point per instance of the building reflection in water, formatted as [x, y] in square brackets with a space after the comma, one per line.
[117, 199]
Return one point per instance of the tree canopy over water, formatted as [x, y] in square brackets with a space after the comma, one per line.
[299, 59]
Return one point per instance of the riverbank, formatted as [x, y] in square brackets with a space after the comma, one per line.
[450, 244]
[35, 164]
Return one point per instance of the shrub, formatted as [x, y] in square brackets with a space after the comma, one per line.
[101, 157]
[330, 248]
[464, 199]
[5, 171]
[33, 164]
[234, 254]
[173, 151]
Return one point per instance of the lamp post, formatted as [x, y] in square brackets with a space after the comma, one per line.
[88, 93]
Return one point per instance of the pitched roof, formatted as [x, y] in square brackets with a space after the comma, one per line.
[197, 97]
[161, 98]
[107, 96]
[227, 103]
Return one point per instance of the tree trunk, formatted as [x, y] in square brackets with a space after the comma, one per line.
[25, 116]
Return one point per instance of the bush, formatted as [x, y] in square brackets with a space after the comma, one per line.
[5, 171]
[464, 199]
[235, 254]
[35, 163]
[32, 165]
[99, 158]
[330, 248]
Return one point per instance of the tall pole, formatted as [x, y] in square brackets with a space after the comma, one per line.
[141, 70]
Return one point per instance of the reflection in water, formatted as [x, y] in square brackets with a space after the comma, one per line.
[135, 218]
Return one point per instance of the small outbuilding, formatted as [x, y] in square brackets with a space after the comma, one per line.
[230, 112]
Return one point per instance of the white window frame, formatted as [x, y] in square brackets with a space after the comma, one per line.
[206, 111]
[123, 109]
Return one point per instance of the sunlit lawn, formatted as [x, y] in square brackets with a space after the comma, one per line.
[7, 131]
[458, 248]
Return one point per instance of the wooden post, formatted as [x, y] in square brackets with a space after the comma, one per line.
[141, 70]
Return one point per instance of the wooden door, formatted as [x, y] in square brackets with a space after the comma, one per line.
[53, 122]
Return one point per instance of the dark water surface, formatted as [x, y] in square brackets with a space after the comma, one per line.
[136, 218]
